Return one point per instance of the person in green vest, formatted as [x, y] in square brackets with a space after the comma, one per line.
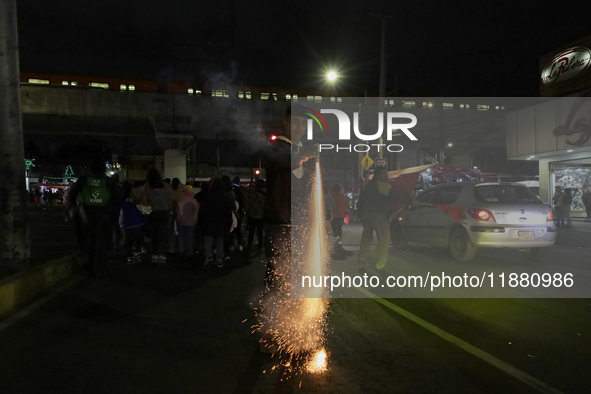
[96, 197]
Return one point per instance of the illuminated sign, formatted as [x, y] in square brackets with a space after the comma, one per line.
[566, 65]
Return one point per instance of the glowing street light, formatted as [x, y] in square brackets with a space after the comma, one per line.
[331, 76]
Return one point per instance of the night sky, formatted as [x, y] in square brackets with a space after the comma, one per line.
[436, 49]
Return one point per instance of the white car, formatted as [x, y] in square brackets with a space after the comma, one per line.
[467, 215]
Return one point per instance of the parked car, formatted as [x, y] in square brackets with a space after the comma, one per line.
[467, 215]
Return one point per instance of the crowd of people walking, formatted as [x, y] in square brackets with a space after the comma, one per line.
[160, 218]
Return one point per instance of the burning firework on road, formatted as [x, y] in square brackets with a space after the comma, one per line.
[297, 326]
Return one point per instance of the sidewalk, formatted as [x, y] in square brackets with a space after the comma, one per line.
[579, 235]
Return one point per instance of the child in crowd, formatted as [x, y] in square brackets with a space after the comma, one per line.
[187, 208]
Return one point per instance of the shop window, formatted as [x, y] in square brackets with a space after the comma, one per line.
[39, 81]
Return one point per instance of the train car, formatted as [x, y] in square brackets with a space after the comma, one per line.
[93, 82]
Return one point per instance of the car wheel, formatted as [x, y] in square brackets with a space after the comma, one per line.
[397, 237]
[460, 246]
[532, 253]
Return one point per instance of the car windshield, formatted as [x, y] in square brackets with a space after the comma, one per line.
[505, 194]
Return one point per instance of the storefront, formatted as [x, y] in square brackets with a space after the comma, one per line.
[555, 130]
[556, 133]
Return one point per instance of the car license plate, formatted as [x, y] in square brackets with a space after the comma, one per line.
[526, 235]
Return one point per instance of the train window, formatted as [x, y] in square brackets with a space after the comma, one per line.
[122, 87]
[294, 98]
[287, 96]
[317, 99]
[502, 107]
[99, 85]
[197, 92]
[39, 81]
[74, 83]
[240, 94]
[448, 106]
[275, 96]
[190, 90]
[461, 106]
[131, 88]
[391, 103]
[482, 107]
[65, 83]
[467, 106]
[248, 95]
[408, 103]
[339, 99]
[219, 93]
[264, 96]
[332, 99]
[310, 98]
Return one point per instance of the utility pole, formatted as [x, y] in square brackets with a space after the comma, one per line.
[382, 71]
[14, 231]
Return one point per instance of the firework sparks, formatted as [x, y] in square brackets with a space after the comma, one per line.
[318, 362]
[298, 325]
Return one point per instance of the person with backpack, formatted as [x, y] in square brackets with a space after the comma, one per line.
[230, 198]
[132, 221]
[215, 220]
[187, 210]
[156, 194]
[254, 199]
[95, 195]
[175, 195]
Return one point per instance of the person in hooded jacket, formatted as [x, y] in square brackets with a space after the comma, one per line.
[215, 221]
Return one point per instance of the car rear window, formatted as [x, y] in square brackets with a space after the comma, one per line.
[449, 195]
[505, 194]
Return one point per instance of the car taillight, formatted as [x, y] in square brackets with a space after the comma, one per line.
[549, 217]
[482, 215]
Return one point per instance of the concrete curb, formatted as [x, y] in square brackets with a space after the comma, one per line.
[17, 289]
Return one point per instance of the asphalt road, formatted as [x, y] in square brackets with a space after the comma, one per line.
[180, 329]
